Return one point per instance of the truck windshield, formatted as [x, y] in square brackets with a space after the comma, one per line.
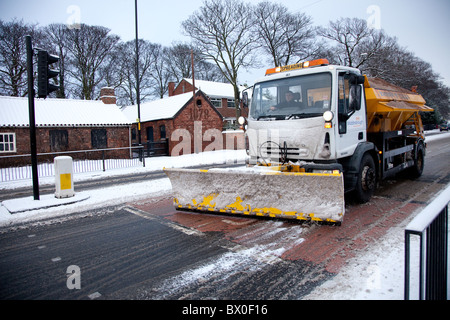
[292, 98]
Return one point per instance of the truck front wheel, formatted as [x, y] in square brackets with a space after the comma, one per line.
[367, 179]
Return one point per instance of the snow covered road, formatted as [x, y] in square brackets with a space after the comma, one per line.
[357, 263]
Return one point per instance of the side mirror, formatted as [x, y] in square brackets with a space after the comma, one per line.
[354, 98]
[245, 99]
[356, 80]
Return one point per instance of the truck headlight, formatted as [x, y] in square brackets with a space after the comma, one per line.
[328, 116]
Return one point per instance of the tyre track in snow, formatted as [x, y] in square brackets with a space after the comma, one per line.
[252, 270]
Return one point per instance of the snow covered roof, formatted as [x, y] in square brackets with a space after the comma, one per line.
[215, 89]
[159, 109]
[60, 112]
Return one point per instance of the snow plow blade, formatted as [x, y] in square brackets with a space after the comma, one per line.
[260, 192]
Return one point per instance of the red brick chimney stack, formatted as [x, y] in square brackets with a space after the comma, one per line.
[107, 95]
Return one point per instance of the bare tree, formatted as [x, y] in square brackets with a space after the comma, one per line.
[89, 47]
[122, 71]
[221, 30]
[378, 55]
[110, 72]
[354, 42]
[13, 63]
[401, 67]
[286, 37]
[159, 74]
[179, 64]
[54, 40]
[205, 70]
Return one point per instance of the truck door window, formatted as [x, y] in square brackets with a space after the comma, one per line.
[349, 99]
[344, 90]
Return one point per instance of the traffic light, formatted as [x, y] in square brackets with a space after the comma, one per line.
[45, 73]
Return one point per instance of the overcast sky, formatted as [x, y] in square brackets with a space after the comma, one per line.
[420, 26]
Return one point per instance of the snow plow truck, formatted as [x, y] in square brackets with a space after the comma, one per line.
[315, 132]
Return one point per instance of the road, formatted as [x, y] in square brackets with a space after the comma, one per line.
[147, 250]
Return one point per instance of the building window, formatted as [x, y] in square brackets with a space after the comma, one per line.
[230, 103]
[59, 140]
[7, 142]
[217, 103]
[99, 139]
[150, 134]
[162, 131]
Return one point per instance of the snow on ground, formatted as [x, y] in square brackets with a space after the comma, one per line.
[376, 275]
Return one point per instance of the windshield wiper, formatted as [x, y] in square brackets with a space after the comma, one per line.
[268, 116]
[303, 115]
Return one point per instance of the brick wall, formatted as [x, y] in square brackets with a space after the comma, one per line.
[78, 138]
[228, 112]
[225, 111]
[234, 139]
[197, 118]
[192, 122]
[182, 87]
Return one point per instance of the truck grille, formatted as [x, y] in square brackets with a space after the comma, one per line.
[282, 154]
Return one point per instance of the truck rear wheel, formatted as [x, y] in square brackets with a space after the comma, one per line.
[419, 161]
[367, 179]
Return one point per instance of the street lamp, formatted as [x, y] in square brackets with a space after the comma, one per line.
[137, 75]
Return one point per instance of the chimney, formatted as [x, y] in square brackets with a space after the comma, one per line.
[107, 95]
[171, 88]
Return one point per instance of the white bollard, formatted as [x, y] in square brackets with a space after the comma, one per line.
[63, 177]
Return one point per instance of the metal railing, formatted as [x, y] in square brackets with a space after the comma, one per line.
[156, 148]
[84, 161]
[431, 225]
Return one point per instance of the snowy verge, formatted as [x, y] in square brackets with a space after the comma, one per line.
[46, 201]
[433, 135]
[95, 199]
[151, 165]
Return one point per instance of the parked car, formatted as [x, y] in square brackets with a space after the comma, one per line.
[444, 126]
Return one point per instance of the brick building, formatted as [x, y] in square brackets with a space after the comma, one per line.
[221, 96]
[63, 125]
[186, 123]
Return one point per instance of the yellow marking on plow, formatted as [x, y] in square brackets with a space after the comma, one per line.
[272, 212]
[238, 207]
[176, 203]
[207, 201]
[335, 173]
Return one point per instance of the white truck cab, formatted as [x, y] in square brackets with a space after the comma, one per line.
[318, 124]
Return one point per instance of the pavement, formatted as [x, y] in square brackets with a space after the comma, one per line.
[45, 201]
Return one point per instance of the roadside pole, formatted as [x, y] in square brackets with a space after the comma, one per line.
[32, 117]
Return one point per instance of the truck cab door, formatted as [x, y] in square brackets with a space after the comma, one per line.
[352, 128]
